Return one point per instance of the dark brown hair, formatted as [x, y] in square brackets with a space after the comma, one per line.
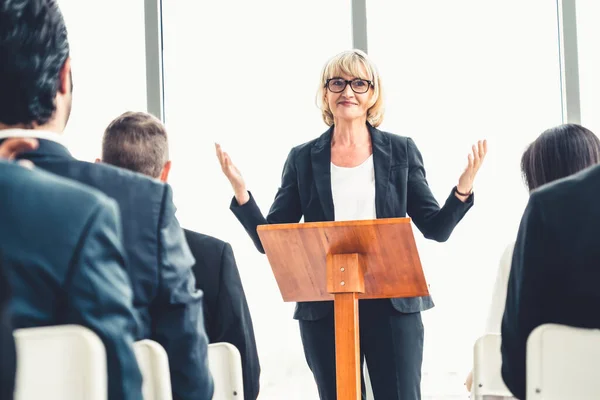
[33, 49]
[559, 152]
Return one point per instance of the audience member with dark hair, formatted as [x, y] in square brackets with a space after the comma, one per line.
[138, 142]
[64, 261]
[35, 101]
[554, 276]
[558, 152]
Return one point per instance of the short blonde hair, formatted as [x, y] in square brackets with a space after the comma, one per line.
[349, 62]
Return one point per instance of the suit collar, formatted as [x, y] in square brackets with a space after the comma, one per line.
[48, 149]
[321, 166]
[32, 133]
[51, 144]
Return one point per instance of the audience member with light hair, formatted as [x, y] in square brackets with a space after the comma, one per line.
[138, 142]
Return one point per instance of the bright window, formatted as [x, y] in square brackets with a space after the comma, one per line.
[109, 68]
[456, 72]
[245, 74]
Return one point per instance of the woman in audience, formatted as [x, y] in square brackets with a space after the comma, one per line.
[557, 153]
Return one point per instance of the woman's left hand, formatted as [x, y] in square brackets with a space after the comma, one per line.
[465, 182]
[469, 382]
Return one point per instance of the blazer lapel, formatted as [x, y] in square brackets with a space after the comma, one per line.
[321, 165]
[382, 160]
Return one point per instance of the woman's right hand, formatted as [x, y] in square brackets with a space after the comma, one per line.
[233, 174]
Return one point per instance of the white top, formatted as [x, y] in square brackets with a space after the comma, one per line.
[494, 319]
[32, 133]
[353, 191]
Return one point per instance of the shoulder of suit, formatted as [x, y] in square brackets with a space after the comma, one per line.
[123, 176]
[57, 191]
[570, 187]
[205, 240]
[394, 138]
[305, 147]
[42, 182]
[570, 198]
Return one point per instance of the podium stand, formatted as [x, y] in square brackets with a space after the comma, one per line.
[345, 261]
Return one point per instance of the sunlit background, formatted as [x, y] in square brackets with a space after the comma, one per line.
[245, 74]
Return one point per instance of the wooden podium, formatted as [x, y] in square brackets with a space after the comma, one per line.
[345, 261]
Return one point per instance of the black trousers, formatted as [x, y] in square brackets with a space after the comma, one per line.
[390, 341]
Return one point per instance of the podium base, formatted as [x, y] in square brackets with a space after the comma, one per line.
[347, 346]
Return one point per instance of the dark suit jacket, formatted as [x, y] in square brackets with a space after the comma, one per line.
[226, 314]
[165, 296]
[7, 342]
[555, 272]
[62, 253]
[400, 188]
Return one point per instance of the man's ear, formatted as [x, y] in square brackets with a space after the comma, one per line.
[164, 174]
[98, 161]
[64, 86]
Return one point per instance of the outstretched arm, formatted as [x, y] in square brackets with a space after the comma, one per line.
[434, 222]
[286, 207]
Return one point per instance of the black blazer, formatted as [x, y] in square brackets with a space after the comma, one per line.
[226, 314]
[555, 272]
[7, 342]
[159, 264]
[400, 189]
[63, 257]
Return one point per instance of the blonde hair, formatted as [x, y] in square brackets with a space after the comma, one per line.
[349, 63]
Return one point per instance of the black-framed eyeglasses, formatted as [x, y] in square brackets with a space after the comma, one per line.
[338, 85]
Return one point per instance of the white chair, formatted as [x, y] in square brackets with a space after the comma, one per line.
[368, 386]
[65, 362]
[563, 363]
[487, 363]
[154, 365]
[226, 368]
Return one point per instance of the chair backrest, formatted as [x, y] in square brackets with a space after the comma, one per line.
[563, 363]
[368, 386]
[66, 362]
[154, 365]
[226, 368]
[487, 363]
